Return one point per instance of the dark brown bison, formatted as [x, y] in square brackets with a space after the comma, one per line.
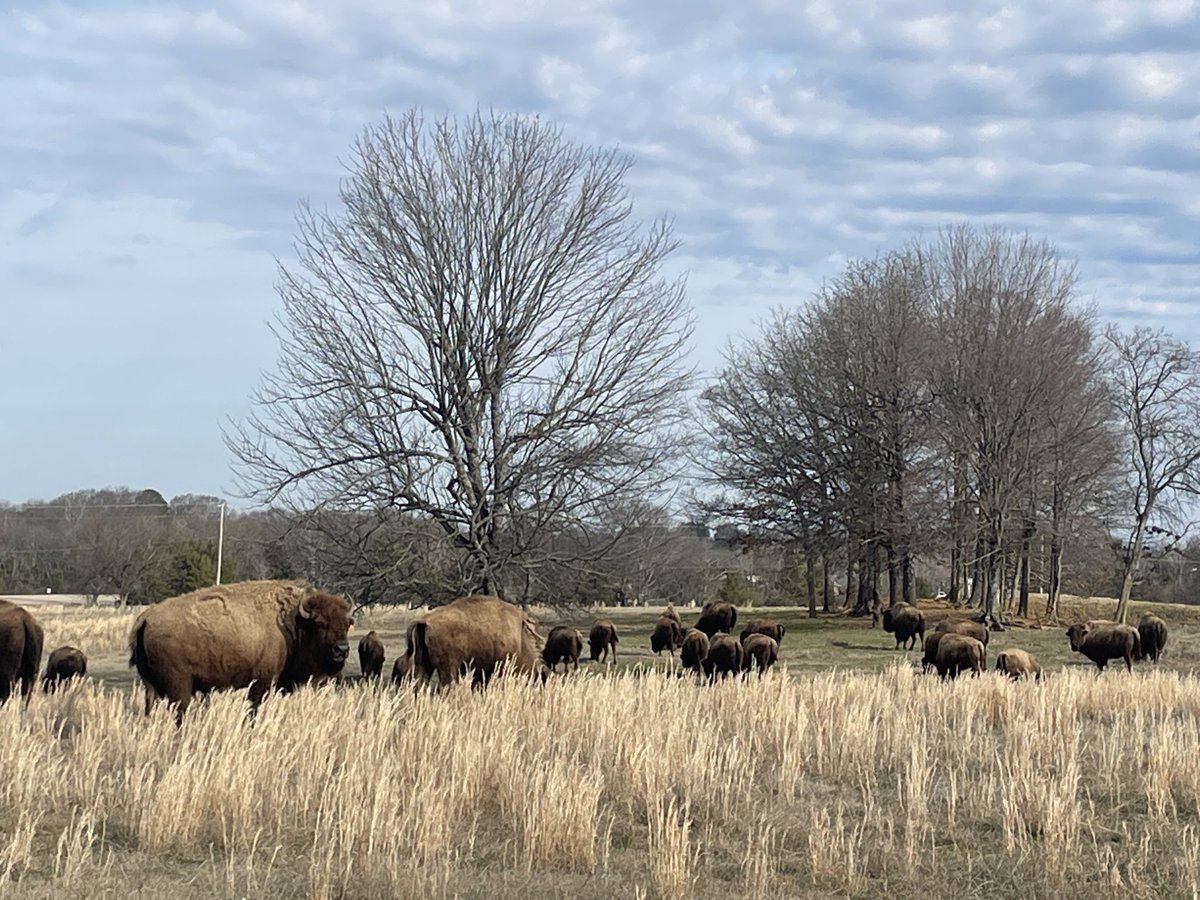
[960, 653]
[563, 644]
[1152, 636]
[253, 634]
[1102, 641]
[20, 649]
[401, 669]
[667, 635]
[601, 639]
[63, 664]
[929, 657]
[370, 655]
[724, 658]
[670, 613]
[695, 650]
[1016, 663]
[480, 634]
[769, 627]
[716, 617]
[970, 627]
[761, 650]
[906, 622]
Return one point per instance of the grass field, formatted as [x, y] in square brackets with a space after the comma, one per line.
[844, 773]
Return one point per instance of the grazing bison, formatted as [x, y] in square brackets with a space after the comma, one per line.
[768, 627]
[1152, 636]
[255, 634]
[970, 627]
[62, 665]
[724, 656]
[695, 650]
[1102, 641]
[929, 658]
[601, 639]
[563, 644]
[760, 650]
[907, 622]
[20, 649]
[1016, 663]
[478, 633]
[716, 617]
[370, 655]
[960, 653]
[667, 635]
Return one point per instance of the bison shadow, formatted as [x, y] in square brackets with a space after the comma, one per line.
[846, 645]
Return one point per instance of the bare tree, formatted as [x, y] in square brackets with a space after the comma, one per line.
[1156, 386]
[482, 334]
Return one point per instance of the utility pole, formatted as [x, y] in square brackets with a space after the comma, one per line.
[220, 542]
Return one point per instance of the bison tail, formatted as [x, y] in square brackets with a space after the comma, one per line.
[418, 650]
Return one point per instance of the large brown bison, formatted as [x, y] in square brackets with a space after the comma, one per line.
[481, 634]
[717, 616]
[960, 653]
[563, 644]
[929, 658]
[370, 655]
[1102, 641]
[255, 634]
[1017, 663]
[601, 639]
[20, 649]
[760, 650]
[724, 658]
[667, 635]
[695, 650]
[970, 627]
[63, 664]
[1152, 636]
[906, 622]
[769, 627]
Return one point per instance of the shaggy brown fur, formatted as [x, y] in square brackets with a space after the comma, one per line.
[63, 664]
[401, 669]
[481, 634]
[1152, 636]
[761, 650]
[960, 653]
[670, 613]
[724, 658]
[907, 622]
[694, 650]
[929, 658]
[20, 649]
[969, 627]
[255, 634]
[1102, 641]
[1016, 663]
[667, 635]
[563, 644]
[371, 655]
[601, 639]
[769, 627]
[716, 617]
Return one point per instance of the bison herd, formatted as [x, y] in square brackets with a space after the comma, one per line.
[267, 635]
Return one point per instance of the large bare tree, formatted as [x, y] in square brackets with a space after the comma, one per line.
[480, 333]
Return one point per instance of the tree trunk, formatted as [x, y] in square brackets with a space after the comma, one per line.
[908, 580]
[955, 565]
[810, 580]
[851, 584]
[893, 571]
[1023, 592]
[826, 584]
[978, 578]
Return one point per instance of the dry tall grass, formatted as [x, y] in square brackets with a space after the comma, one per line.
[94, 630]
[845, 784]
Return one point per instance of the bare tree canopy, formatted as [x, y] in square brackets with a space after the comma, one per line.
[481, 334]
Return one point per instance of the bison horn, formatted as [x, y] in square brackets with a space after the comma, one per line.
[305, 612]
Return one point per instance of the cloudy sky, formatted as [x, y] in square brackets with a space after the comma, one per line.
[152, 157]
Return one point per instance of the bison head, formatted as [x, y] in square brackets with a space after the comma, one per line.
[888, 624]
[1076, 634]
[324, 621]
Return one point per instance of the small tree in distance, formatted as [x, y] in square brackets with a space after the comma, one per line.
[482, 335]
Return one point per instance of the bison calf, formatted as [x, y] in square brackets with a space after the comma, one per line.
[1016, 663]
[906, 622]
[1102, 641]
[760, 650]
[563, 644]
[370, 655]
[63, 664]
[1152, 636]
[602, 639]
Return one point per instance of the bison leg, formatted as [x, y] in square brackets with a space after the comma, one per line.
[1128, 662]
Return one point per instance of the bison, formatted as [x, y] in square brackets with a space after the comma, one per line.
[929, 658]
[63, 664]
[769, 627]
[970, 627]
[959, 653]
[667, 635]
[724, 658]
[906, 622]
[20, 649]
[1152, 636]
[695, 650]
[370, 655]
[1016, 663]
[670, 613]
[401, 669]
[563, 644]
[255, 634]
[601, 639]
[760, 650]
[716, 617]
[479, 633]
[1102, 641]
